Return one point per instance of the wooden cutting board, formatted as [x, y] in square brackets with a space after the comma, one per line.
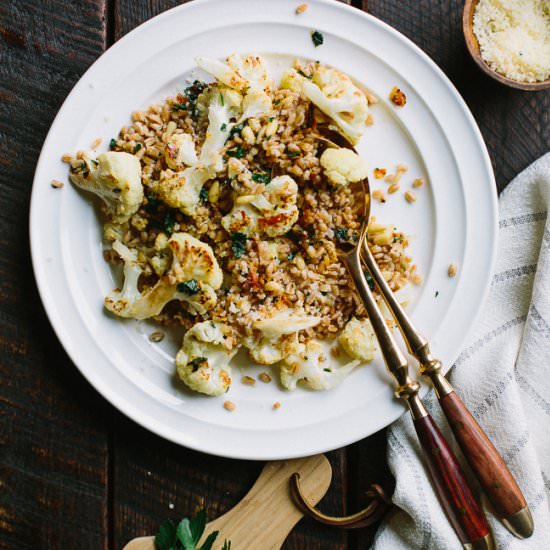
[266, 515]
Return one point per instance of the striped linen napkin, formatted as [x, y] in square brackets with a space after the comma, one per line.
[503, 376]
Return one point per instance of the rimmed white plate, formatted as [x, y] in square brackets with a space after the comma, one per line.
[454, 220]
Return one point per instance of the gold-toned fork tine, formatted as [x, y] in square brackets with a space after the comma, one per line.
[493, 474]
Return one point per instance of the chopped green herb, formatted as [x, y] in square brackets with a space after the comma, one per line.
[189, 287]
[137, 147]
[304, 74]
[264, 177]
[223, 127]
[317, 38]
[237, 129]
[95, 162]
[291, 256]
[293, 154]
[168, 222]
[187, 534]
[203, 194]
[237, 153]
[271, 119]
[197, 363]
[238, 244]
[436, 293]
[152, 203]
[327, 370]
[222, 101]
[341, 234]
[276, 102]
[179, 107]
[112, 144]
[82, 165]
[369, 279]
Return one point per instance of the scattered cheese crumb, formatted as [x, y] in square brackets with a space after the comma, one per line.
[514, 37]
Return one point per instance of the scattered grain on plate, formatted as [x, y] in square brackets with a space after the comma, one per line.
[56, 184]
[229, 406]
[418, 182]
[452, 271]
[302, 8]
[264, 377]
[335, 352]
[390, 178]
[96, 143]
[371, 99]
[393, 188]
[157, 336]
[417, 279]
[379, 173]
[379, 195]
[67, 158]
[370, 120]
[276, 405]
[248, 381]
[397, 97]
[410, 196]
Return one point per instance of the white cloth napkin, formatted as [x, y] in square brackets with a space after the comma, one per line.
[503, 376]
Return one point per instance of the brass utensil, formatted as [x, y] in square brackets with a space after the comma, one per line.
[459, 502]
[491, 471]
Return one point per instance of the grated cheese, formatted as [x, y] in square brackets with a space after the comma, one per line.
[514, 37]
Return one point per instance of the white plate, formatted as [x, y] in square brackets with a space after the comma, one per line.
[454, 219]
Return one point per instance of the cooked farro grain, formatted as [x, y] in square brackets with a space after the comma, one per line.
[264, 377]
[229, 406]
[410, 196]
[248, 381]
[96, 143]
[418, 182]
[393, 188]
[302, 8]
[56, 184]
[453, 270]
[276, 405]
[379, 195]
[157, 336]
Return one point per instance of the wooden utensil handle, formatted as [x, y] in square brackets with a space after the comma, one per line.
[457, 498]
[497, 481]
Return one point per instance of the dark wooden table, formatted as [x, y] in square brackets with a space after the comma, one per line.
[75, 473]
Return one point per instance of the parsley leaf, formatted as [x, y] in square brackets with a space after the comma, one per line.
[222, 101]
[112, 144]
[189, 287]
[203, 195]
[317, 38]
[291, 256]
[237, 153]
[165, 538]
[197, 362]
[341, 234]
[223, 127]
[137, 147]
[309, 77]
[370, 280]
[259, 177]
[237, 129]
[293, 154]
[179, 107]
[168, 222]
[238, 244]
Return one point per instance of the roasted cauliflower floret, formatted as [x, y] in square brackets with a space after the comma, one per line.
[358, 340]
[334, 93]
[309, 366]
[277, 337]
[181, 189]
[116, 179]
[193, 259]
[193, 277]
[203, 360]
[272, 212]
[223, 105]
[238, 72]
[180, 151]
[343, 166]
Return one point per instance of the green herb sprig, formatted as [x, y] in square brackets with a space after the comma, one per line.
[238, 244]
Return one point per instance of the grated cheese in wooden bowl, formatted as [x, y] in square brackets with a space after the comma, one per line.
[514, 37]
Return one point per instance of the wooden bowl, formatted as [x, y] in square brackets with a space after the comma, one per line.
[473, 48]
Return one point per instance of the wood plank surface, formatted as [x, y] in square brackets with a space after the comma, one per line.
[53, 437]
[74, 472]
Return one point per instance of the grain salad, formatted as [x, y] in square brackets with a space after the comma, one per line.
[224, 206]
